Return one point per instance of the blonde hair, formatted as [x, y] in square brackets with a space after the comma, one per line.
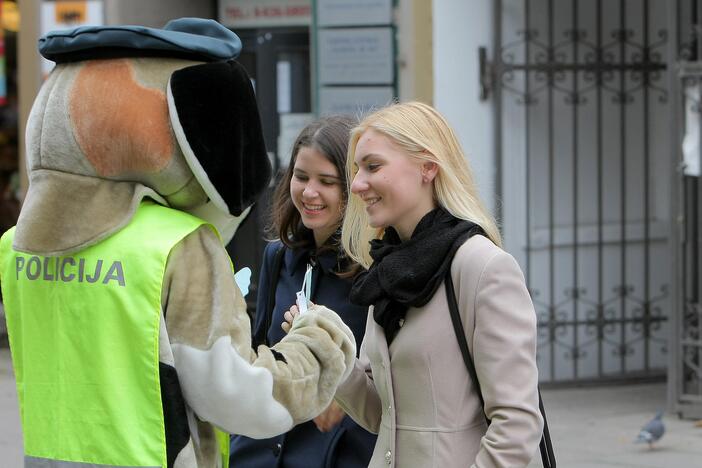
[421, 132]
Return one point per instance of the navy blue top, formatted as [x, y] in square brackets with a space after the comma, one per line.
[348, 445]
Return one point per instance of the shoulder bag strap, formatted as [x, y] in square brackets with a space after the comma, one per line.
[545, 447]
[262, 336]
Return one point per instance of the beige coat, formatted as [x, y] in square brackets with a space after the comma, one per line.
[418, 396]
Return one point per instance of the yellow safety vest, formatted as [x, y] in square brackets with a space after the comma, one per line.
[84, 335]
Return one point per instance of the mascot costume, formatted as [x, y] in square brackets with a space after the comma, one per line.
[130, 339]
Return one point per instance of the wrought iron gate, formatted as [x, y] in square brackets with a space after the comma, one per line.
[583, 140]
[685, 376]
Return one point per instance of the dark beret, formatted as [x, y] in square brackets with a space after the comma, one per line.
[191, 38]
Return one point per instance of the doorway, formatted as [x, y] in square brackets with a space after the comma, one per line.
[583, 141]
[278, 62]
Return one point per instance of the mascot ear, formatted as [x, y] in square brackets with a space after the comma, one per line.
[213, 112]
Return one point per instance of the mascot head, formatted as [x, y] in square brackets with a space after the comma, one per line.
[131, 112]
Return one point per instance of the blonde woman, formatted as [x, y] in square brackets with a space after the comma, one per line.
[414, 215]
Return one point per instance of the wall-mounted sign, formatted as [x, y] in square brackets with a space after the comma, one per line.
[354, 12]
[10, 16]
[355, 56]
[353, 100]
[691, 141]
[264, 13]
[70, 12]
[290, 127]
[66, 15]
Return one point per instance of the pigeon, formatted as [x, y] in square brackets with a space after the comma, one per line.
[652, 431]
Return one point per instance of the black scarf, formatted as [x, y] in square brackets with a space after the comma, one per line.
[407, 274]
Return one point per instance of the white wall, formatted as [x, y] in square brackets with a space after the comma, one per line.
[460, 28]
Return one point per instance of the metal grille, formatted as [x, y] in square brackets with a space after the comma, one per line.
[583, 140]
[686, 374]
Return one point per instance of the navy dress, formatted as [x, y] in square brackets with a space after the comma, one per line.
[348, 445]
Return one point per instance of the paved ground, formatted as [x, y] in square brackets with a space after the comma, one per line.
[595, 427]
[10, 431]
[591, 427]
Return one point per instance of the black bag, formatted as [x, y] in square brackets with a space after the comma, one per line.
[545, 447]
[262, 336]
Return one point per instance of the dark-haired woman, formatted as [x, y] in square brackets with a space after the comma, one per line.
[307, 210]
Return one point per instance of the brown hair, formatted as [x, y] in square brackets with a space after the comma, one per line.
[330, 136]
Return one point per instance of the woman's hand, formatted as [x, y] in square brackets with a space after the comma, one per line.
[329, 418]
[289, 317]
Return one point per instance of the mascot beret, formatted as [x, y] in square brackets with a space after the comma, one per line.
[188, 38]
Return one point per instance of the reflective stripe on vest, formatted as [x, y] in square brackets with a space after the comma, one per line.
[33, 462]
[84, 334]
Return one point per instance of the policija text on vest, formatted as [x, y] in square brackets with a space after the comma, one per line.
[68, 269]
